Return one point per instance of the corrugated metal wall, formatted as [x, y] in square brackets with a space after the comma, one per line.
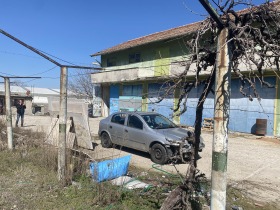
[188, 118]
[243, 113]
[165, 107]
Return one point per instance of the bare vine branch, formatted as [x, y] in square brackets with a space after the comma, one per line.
[255, 46]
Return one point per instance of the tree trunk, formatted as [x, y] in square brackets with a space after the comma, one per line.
[175, 199]
[199, 112]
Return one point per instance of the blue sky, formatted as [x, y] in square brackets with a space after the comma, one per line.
[72, 30]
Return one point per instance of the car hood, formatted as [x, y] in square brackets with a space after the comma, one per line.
[177, 134]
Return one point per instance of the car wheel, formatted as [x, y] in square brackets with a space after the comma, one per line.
[106, 140]
[159, 154]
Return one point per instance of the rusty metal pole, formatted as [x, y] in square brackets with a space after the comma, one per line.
[221, 119]
[62, 125]
[8, 113]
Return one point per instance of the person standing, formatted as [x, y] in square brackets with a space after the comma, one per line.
[20, 112]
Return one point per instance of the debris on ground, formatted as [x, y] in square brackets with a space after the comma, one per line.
[236, 208]
[130, 183]
[258, 204]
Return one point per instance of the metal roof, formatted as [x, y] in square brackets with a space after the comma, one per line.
[13, 89]
[42, 91]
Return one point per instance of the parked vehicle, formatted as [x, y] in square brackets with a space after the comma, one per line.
[149, 132]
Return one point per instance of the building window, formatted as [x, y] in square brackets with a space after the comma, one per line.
[38, 109]
[134, 57]
[132, 90]
[111, 61]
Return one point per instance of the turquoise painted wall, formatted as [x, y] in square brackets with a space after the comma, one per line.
[114, 98]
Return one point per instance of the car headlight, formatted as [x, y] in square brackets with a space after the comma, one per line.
[172, 142]
[168, 139]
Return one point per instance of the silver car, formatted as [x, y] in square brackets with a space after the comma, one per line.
[149, 132]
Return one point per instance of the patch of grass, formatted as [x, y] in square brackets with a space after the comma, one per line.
[28, 180]
[25, 185]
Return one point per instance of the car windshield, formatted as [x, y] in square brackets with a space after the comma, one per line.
[155, 121]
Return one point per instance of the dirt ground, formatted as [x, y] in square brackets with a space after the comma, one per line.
[252, 160]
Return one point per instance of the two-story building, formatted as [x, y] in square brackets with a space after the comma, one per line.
[134, 72]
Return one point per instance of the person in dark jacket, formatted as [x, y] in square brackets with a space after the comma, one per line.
[20, 112]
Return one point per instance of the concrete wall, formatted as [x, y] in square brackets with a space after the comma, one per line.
[105, 92]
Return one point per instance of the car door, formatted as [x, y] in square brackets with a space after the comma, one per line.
[116, 128]
[134, 133]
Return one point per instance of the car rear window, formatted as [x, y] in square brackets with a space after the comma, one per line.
[118, 118]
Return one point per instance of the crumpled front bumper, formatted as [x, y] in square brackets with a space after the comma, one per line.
[182, 149]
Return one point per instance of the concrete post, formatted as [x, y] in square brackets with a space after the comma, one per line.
[221, 119]
[62, 125]
[105, 100]
[8, 113]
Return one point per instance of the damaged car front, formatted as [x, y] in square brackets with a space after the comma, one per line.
[180, 142]
[177, 141]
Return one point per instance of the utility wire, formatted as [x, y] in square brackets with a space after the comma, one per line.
[56, 57]
[37, 57]
[193, 12]
[44, 71]
[12, 75]
[20, 54]
[58, 77]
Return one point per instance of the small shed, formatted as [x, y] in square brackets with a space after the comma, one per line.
[17, 93]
